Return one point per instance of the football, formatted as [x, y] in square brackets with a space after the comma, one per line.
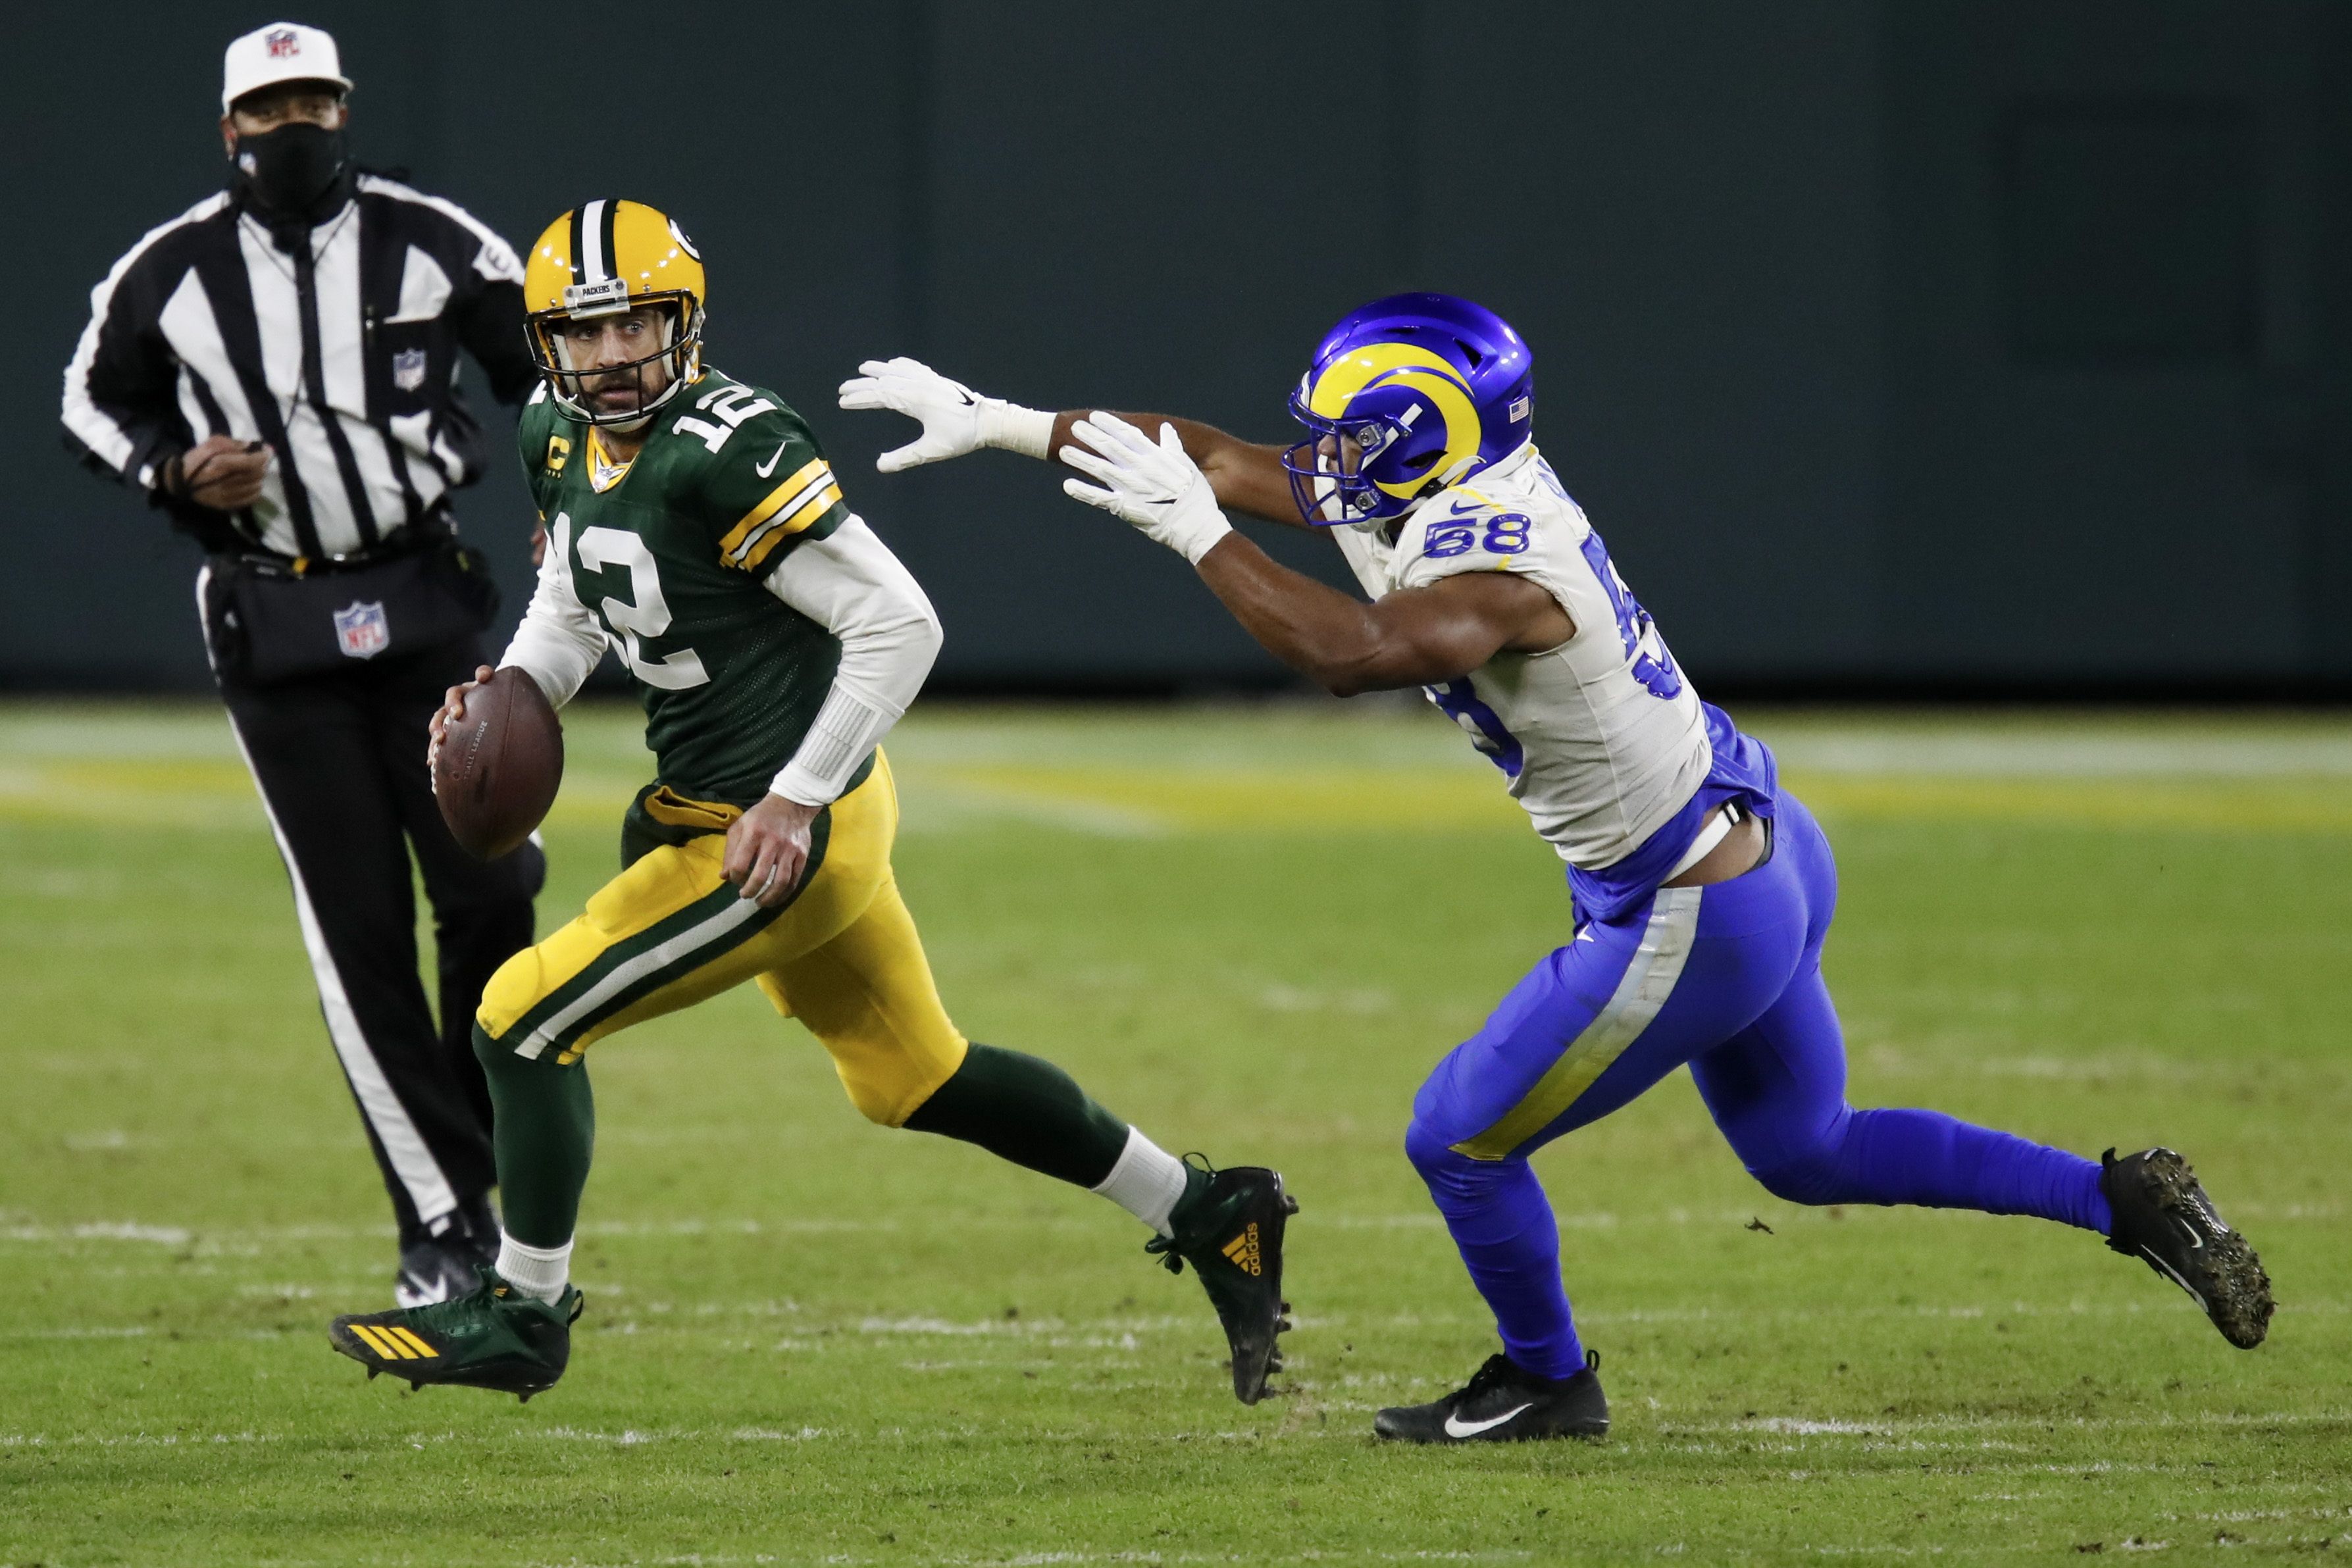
[498, 766]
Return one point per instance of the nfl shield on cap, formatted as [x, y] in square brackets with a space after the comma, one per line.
[282, 51]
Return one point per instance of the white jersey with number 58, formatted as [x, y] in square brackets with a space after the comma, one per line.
[1601, 738]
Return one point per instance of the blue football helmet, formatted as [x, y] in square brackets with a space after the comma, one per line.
[1406, 396]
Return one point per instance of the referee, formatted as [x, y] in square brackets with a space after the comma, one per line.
[277, 369]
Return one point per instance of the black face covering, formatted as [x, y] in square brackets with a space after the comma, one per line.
[295, 173]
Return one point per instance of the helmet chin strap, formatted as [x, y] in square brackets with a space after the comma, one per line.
[1457, 472]
[1444, 480]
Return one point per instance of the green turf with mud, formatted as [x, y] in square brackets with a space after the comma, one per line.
[1252, 930]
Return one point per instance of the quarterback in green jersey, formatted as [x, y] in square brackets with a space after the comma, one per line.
[694, 526]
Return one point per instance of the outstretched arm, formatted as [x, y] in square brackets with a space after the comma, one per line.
[1416, 637]
[1246, 476]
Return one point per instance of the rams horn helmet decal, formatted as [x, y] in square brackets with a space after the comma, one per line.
[600, 259]
[1406, 397]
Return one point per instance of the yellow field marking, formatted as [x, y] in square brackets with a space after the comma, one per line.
[1215, 799]
[2219, 806]
[1118, 776]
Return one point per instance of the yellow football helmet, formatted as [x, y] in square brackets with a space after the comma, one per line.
[600, 259]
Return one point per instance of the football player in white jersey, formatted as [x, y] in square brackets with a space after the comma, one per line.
[1703, 891]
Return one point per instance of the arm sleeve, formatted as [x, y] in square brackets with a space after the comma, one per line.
[119, 406]
[559, 640]
[849, 583]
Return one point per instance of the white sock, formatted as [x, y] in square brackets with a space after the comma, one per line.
[540, 1272]
[1146, 1181]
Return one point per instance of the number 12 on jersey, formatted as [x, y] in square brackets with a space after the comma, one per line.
[649, 616]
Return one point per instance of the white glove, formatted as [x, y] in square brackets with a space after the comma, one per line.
[956, 420]
[1153, 485]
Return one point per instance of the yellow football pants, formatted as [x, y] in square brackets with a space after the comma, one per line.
[843, 955]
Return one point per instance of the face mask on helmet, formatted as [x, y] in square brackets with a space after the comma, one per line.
[296, 172]
[1367, 462]
[618, 394]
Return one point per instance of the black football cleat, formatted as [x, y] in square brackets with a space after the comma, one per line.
[2163, 1217]
[1229, 1225]
[436, 1267]
[493, 1337]
[1503, 1404]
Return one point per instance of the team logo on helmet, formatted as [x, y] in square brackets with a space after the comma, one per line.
[1406, 397]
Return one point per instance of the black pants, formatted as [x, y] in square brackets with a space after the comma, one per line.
[339, 762]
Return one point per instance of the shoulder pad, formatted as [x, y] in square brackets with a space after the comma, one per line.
[766, 482]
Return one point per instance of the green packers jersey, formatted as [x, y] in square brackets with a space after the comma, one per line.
[668, 551]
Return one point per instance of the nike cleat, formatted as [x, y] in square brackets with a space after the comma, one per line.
[1503, 1404]
[492, 1337]
[436, 1266]
[2163, 1217]
[1229, 1225]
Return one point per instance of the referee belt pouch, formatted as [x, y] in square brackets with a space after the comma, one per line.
[269, 620]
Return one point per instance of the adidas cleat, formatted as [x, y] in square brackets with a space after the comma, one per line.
[2163, 1217]
[1503, 1404]
[492, 1337]
[1229, 1225]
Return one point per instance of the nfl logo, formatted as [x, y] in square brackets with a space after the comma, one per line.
[363, 629]
[282, 43]
[408, 369]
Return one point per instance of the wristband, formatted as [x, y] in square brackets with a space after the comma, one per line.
[1194, 537]
[847, 728]
[1012, 428]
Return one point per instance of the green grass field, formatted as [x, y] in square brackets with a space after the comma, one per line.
[1252, 930]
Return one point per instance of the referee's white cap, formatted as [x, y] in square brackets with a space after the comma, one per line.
[281, 51]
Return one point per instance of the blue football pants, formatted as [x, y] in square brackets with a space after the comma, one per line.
[1726, 978]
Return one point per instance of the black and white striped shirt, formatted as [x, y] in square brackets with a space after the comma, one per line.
[340, 355]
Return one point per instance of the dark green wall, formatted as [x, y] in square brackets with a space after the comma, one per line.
[1791, 273]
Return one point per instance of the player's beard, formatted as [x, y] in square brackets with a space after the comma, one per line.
[623, 417]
